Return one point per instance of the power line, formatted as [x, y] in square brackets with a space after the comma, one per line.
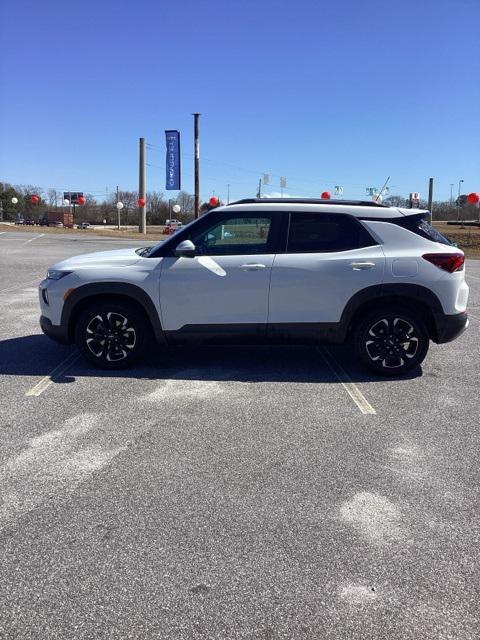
[292, 180]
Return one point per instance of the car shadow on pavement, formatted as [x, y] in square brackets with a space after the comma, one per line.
[36, 355]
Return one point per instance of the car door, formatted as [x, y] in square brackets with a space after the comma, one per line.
[224, 288]
[328, 258]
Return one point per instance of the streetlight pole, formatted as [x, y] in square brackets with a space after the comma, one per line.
[196, 119]
[142, 191]
[14, 202]
[451, 192]
[458, 199]
[119, 206]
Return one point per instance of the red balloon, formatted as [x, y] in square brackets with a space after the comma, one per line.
[81, 200]
[326, 195]
[35, 199]
[473, 198]
[214, 201]
[142, 202]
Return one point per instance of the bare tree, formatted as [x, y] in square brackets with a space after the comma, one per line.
[157, 207]
[187, 203]
[52, 197]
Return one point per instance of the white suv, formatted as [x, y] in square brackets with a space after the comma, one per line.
[277, 271]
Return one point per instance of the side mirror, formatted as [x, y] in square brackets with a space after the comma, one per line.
[185, 249]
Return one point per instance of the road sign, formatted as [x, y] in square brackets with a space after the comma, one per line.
[73, 196]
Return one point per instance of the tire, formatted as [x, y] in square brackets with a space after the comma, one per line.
[111, 335]
[391, 341]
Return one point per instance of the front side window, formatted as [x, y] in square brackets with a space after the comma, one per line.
[318, 233]
[235, 236]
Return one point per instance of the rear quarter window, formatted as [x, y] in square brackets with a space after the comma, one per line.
[420, 225]
[433, 234]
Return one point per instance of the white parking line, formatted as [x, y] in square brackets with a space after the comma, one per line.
[346, 382]
[35, 238]
[54, 375]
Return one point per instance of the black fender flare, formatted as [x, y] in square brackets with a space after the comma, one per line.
[123, 289]
[403, 291]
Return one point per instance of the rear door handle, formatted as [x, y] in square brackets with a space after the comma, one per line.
[359, 266]
[252, 266]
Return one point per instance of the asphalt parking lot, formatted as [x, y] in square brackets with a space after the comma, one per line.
[264, 493]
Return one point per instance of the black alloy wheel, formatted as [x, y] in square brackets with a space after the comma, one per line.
[111, 336]
[391, 342]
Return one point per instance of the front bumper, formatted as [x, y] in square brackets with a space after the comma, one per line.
[450, 327]
[57, 333]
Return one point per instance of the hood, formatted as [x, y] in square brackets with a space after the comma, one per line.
[115, 258]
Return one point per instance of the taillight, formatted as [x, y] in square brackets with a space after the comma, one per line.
[447, 261]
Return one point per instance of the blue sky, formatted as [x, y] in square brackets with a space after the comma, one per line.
[323, 93]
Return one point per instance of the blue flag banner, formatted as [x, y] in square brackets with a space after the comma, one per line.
[173, 160]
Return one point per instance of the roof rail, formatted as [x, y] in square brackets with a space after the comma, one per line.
[359, 203]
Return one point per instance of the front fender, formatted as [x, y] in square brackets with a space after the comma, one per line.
[97, 289]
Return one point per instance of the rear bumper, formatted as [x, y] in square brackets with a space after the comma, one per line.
[450, 327]
[57, 333]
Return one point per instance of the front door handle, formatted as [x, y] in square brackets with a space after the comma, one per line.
[253, 266]
[359, 266]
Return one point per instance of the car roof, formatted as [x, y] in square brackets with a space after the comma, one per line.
[357, 208]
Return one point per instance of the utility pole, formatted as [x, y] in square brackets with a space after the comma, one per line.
[196, 120]
[458, 199]
[118, 213]
[430, 196]
[142, 227]
[259, 192]
[451, 192]
[228, 193]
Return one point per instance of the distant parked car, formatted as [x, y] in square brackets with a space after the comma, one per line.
[43, 222]
[56, 223]
[20, 221]
[171, 226]
[29, 221]
[84, 225]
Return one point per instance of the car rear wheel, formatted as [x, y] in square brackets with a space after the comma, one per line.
[111, 336]
[391, 341]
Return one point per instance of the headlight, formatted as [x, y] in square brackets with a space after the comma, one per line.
[52, 274]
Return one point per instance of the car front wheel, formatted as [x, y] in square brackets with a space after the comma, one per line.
[391, 341]
[111, 336]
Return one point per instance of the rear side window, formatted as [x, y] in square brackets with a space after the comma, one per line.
[319, 233]
[419, 224]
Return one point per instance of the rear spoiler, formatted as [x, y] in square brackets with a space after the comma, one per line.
[414, 212]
